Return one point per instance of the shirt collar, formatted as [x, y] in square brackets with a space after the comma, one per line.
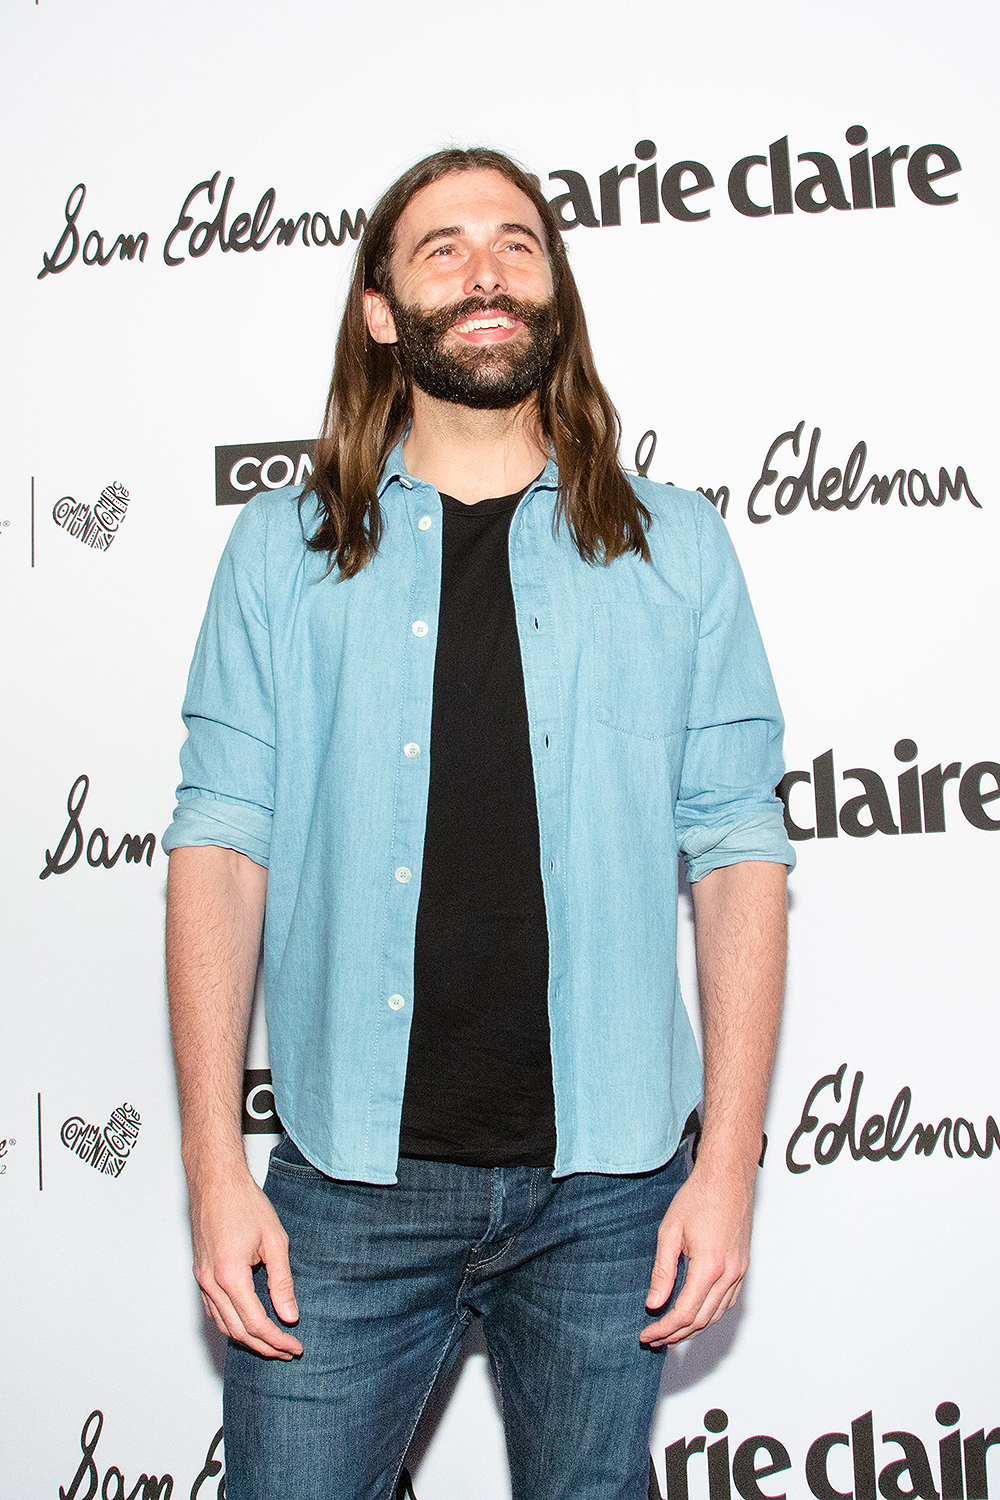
[395, 469]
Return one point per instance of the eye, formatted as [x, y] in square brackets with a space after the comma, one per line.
[518, 245]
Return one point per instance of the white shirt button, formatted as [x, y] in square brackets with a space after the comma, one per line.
[419, 627]
[405, 483]
[411, 750]
[425, 523]
[396, 1002]
[403, 874]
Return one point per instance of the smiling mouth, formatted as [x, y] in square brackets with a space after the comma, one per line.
[486, 329]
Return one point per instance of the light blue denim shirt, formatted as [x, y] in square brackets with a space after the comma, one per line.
[654, 728]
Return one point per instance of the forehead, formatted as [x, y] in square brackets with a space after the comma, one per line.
[475, 202]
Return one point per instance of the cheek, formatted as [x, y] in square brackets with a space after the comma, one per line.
[534, 279]
[432, 284]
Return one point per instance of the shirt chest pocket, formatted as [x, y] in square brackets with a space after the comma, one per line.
[643, 655]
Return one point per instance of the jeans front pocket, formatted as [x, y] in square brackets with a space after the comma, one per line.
[643, 658]
[286, 1157]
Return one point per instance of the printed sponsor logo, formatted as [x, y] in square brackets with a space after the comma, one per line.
[782, 484]
[97, 525]
[846, 488]
[87, 1482]
[208, 1484]
[260, 1116]
[847, 1465]
[206, 221]
[919, 804]
[242, 470]
[105, 1149]
[7, 1144]
[73, 842]
[758, 186]
[827, 1125]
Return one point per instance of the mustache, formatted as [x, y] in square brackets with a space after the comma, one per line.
[532, 314]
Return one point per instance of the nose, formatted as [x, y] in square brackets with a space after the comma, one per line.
[484, 274]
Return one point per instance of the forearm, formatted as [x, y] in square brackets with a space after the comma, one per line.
[740, 916]
[215, 912]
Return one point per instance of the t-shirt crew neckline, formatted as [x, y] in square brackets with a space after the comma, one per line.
[490, 506]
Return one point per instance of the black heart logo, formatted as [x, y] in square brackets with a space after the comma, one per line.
[97, 525]
[108, 1149]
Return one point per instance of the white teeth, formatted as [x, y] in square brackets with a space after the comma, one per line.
[472, 324]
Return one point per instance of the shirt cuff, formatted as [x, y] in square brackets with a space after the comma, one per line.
[752, 838]
[205, 819]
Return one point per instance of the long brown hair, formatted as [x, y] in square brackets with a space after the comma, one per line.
[369, 402]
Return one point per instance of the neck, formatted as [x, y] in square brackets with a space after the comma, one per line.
[474, 455]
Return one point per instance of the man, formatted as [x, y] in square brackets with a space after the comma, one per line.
[453, 711]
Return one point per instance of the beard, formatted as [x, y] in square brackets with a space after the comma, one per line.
[487, 377]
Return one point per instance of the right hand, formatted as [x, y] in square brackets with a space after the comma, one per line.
[234, 1228]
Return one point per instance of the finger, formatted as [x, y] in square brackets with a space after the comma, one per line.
[238, 1286]
[664, 1274]
[280, 1287]
[236, 1329]
[720, 1299]
[701, 1278]
[728, 1300]
[212, 1312]
[704, 1315]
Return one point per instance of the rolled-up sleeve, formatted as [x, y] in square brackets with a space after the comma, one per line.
[226, 793]
[727, 809]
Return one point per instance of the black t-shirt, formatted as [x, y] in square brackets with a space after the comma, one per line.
[479, 1070]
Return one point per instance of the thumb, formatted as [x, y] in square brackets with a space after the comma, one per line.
[279, 1283]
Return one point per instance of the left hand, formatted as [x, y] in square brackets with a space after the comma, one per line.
[709, 1219]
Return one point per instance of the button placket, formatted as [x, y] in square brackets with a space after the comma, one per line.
[415, 715]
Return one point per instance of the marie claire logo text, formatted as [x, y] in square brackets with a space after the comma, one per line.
[758, 186]
[844, 1465]
[918, 805]
[107, 1148]
[96, 525]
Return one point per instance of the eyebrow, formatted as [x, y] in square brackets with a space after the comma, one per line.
[454, 230]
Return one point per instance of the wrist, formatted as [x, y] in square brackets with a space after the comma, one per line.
[206, 1159]
[726, 1156]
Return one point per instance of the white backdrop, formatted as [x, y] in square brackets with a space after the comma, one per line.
[873, 1288]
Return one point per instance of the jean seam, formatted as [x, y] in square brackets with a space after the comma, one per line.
[503, 1405]
[423, 1404]
[478, 1264]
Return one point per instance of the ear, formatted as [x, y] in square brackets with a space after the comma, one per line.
[379, 318]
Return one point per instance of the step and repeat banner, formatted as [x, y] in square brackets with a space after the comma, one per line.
[783, 220]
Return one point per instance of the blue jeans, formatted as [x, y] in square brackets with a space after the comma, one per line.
[388, 1280]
